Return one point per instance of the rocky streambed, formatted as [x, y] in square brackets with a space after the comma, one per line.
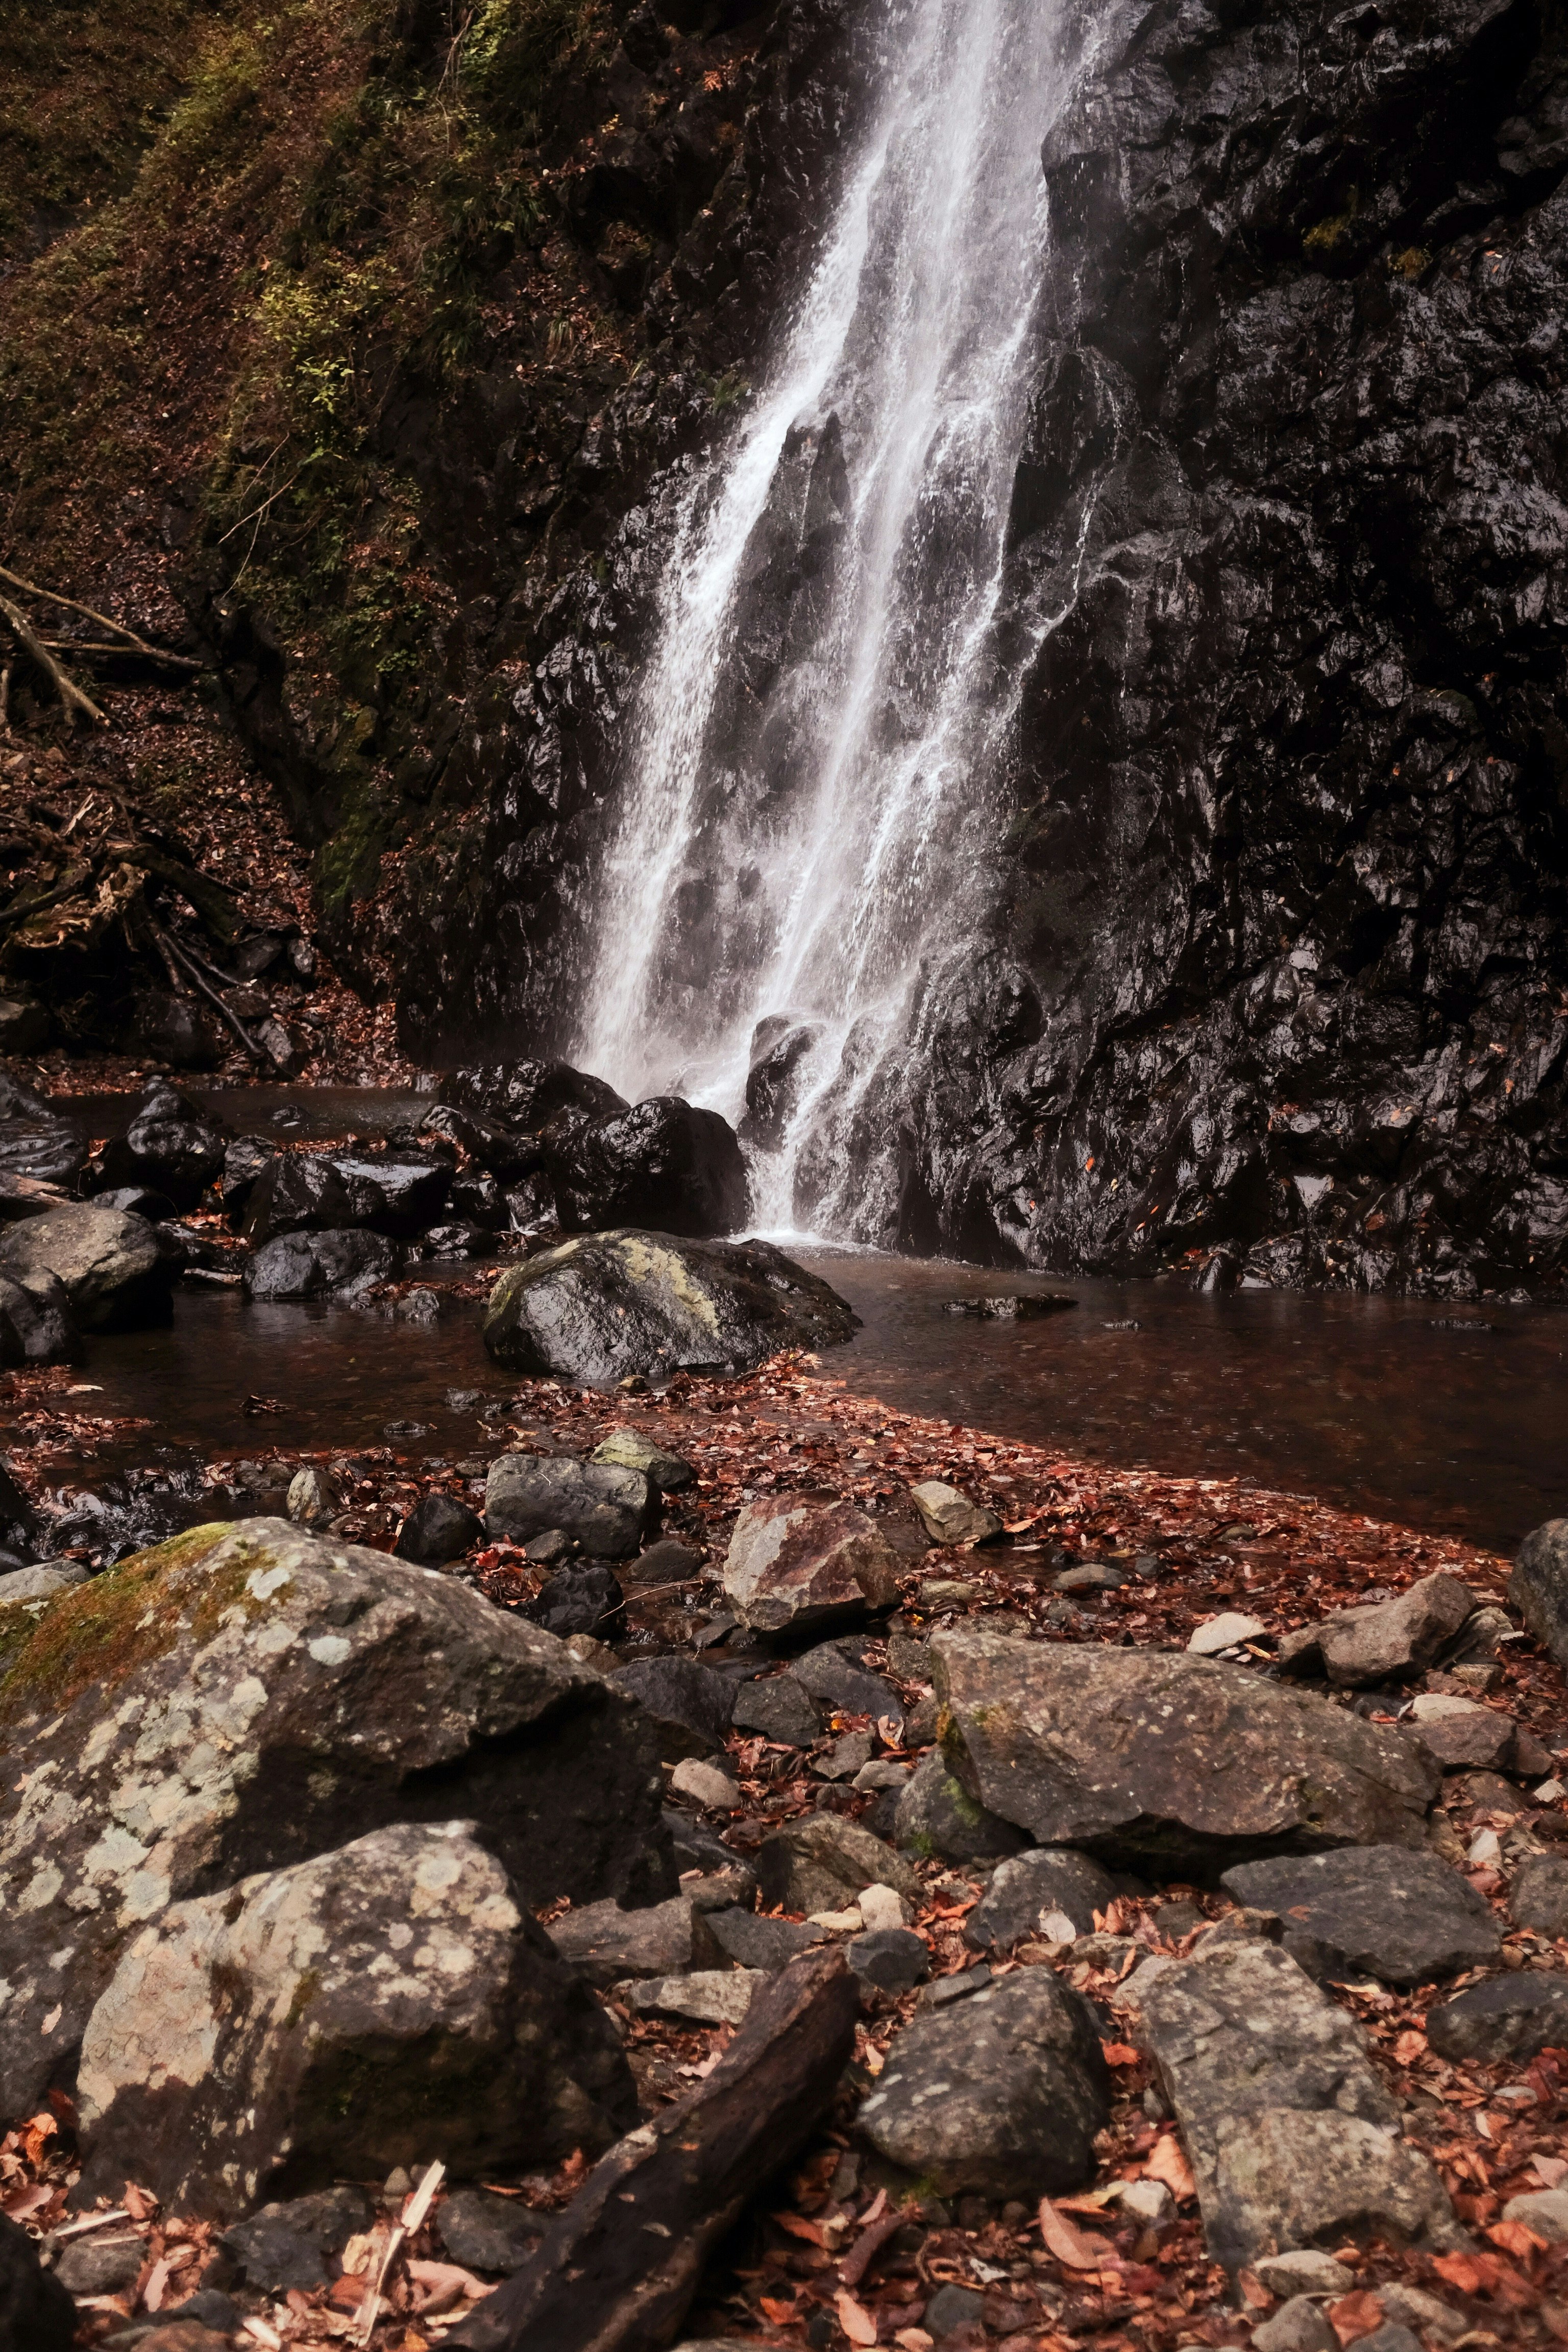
[714, 1857]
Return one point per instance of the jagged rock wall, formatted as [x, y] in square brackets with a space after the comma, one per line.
[1276, 978]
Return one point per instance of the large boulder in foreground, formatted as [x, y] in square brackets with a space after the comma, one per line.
[389, 2003]
[382, 2005]
[112, 1265]
[603, 1306]
[664, 1163]
[247, 1696]
[1163, 1757]
[1290, 2132]
[1000, 2092]
[796, 1565]
[315, 1191]
[336, 1265]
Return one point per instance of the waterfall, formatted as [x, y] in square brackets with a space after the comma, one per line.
[808, 814]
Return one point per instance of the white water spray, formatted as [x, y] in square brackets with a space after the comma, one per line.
[797, 847]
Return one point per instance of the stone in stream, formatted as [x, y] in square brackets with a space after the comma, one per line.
[662, 1164]
[320, 1265]
[168, 1147]
[795, 1566]
[37, 1324]
[330, 1192]
[1538, 1587]
[36, 2315]
[1030, 1889]
[581, 1598]
[779, 1709]
[1291, 2133]
[384, 2004]
[35, 1140]
[1539, 1895]
[1158, 1755]
[526, 1094]
[243, 1161]
[1000, 2095]
[1509, 2018]
[438, 1528]
[603, 1306]
[487, 2232]
[820, 1863]
[246, 1696]
[633, 1451]
[1392, 1911]
[113, 1268]
[937, 1820]
[949, 1518]
[292, 2243]
[1385, 1641]
[599, 1505]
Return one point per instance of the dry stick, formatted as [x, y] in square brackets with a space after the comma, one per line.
[415, 2210]
[257, 1053]
[4, 698]
[64, 685]
[141, 652]
[51, 596]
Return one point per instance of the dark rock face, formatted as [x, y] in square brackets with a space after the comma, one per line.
[586, 1599]
[691, 1704]
[607, 1305]
[321, 1191]
[437, 1529]
[292, 2243]
[315, 1266]
[37, 1326]
[1277, 925]
[1509, 2016]
[778, 1049]
[603, 1505]
[35, 1140]
[661, 1164]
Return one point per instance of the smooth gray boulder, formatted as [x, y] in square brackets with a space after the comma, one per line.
[1503, 2017]
[113, 1268]
[1391, 1912]
[1538, 1587]
[1027, 1890]
[247, 1695]
[603, 1306]
[1388, 1640]
[41, 1581]
[1299, 2325]
[386, 2004]
[1154, 1754]
[1000, 2095]
[798, 1565]
[603, 1505]
[1291, 2133]
[937, 1820]
[821, 1863]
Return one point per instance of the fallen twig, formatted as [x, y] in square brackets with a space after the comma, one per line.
[52, 597]
[64, 685]
[224, 1012]
[412, 2219]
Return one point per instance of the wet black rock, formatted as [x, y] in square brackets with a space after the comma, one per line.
[35, 1140]
[36, 2315]
[137, 1201]
[1507, 2018]
[603, 1306]
[319, 1192]
[779, 1047]
[37, 1326]
[243, 1161]
[691, 1704]
[662, 1165]
[526, 1095]
[320, 1265]
[1384, 1911]
[587, 1599]
[438, 1528]
[602, 1506]
[168, 1147]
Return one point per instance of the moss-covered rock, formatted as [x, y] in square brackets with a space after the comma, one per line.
[247, 1696]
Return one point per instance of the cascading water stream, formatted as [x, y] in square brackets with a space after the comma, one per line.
[809, 809]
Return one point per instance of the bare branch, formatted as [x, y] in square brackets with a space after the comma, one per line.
[64, 685]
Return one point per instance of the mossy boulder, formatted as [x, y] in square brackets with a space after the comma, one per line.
[247, 1697]
[603, 1306]
[389, 2003]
